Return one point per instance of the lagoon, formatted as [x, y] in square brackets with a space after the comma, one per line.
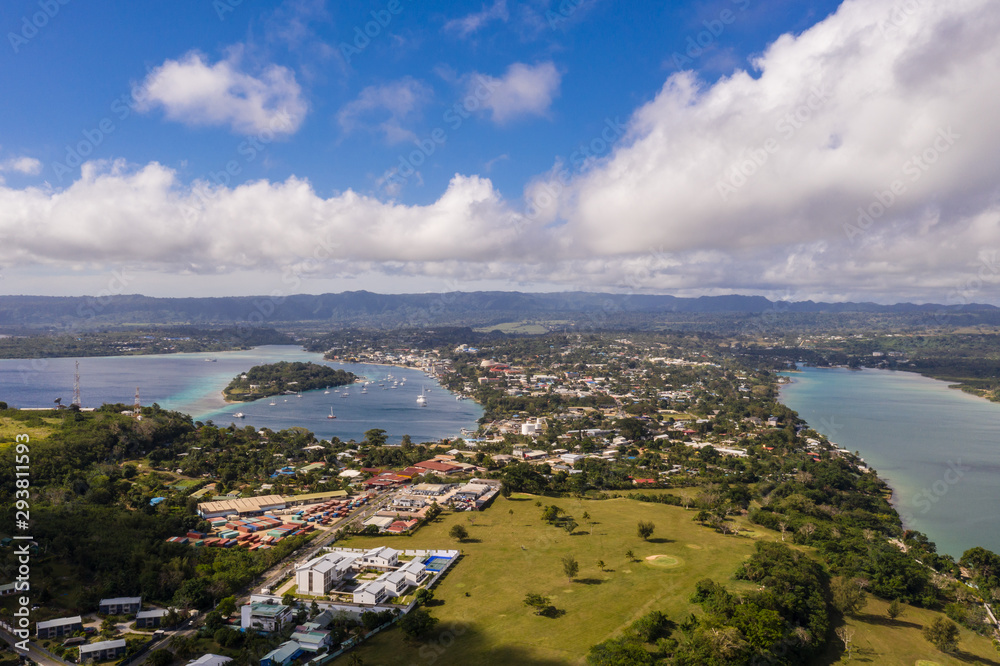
[938, 448]
[190, 384]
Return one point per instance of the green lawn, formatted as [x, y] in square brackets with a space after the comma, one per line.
[483, 619]
[11, 428]
[879, 640]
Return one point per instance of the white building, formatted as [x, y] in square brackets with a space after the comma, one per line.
[382, 557]
[317, 576]
[264, 616]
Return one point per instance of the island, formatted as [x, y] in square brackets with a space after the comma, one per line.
[262, 381]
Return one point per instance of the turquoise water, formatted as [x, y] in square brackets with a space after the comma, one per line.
[190, 384]
[938, 448]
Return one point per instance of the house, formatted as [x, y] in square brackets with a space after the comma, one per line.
[312, 640]
[120, 606]
[414, 571]
[408, 502]
[438, 467]
[9, 588]
[210, 660]
[371, 593]
[103, 651]
[150, 619]
[317, 576]
[382, 557]
[265, 617]
[63, 626]
[282, 655]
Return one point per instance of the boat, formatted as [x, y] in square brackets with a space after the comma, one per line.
[364, 390]
[209, 360]
[421, 399]
[331, 414]
[344, 394]
[239, 415]
[272, 403]
[298, 395]
[326, 392]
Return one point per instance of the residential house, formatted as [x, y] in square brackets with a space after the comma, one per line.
[210, 660]
[382, 557]
[103, 651]
[120, 606]
[63, 626]
[265, 617]
[150, 619]
[282, 655]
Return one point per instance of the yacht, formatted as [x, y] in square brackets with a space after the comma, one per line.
[239, 415]
[272, 403]
[364, 389]
[331, 414]
[421, 399]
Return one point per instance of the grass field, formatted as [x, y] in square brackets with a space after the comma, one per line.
[483, 619]
[879, 640]
[10, 428]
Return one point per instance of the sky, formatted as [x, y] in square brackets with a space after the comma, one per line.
[798, 149]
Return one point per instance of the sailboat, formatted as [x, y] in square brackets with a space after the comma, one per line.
[272, 403]
[421, 399]
[331, 414]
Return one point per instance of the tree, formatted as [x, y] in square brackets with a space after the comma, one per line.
[288, 599]
[570, 526]
[424, 596]
[570, 567]
[538, 602]
[943, 634]
[629, 555]
[846, 634]
[458, 532]
[894, 610]
[416, 623]
[108, 628]
[375, 437]
[848, 596]
[227, 606]
[645, 529]
[601, 565]
[160, 657]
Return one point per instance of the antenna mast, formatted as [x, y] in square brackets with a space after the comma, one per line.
[76, 386]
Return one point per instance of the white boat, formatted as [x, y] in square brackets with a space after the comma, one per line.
[331, 415]
[272, 403]
[326, 392]
[239, 415]
[421, 399]
[364, 390]
[298, 395]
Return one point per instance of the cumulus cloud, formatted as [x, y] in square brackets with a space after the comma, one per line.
[386, 108]
[471, 23]
[146, 217]
[858, 161]
[195, 92]
[25, 165]
[523, 90]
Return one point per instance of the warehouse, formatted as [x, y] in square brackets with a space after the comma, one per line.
[245, 506]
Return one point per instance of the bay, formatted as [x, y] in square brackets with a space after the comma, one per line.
[937, 447]
[189, 383]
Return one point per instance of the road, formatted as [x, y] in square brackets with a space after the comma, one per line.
[36, 653]
[285, 568]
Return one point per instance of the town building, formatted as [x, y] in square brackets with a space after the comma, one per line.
[63, 626]
[103, 651]
[120, 606]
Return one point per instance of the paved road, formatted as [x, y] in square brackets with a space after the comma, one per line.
[279, 571]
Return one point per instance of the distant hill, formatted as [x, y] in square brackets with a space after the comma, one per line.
[478, 309]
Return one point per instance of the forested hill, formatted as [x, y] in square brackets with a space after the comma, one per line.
[261, 381]
[362, 308]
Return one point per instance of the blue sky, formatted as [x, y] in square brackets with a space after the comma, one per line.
[223, 147]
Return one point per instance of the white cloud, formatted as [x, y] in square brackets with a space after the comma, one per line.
[523, 90]
[25, 165]
[147, 218]
[194, 92]
[386, 108]
[471, 23]
[832, 119]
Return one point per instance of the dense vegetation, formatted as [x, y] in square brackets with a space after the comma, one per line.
[261, 381]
